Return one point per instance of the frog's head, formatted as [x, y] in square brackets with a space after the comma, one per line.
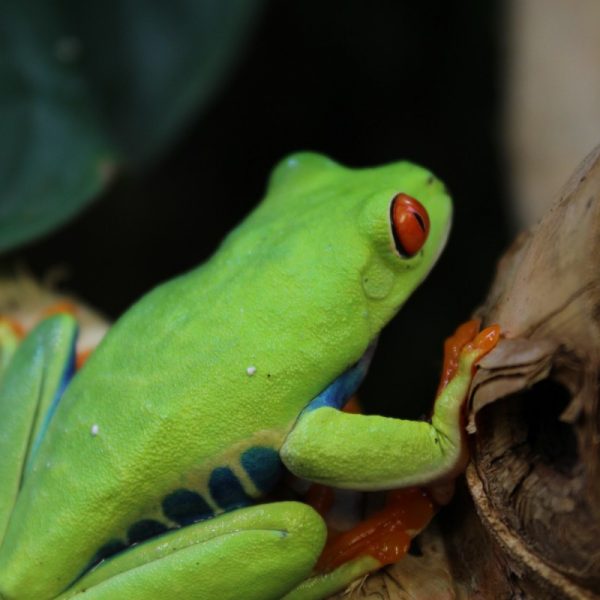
[371, 235]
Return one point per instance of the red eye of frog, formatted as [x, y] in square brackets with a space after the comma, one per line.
[410, 224]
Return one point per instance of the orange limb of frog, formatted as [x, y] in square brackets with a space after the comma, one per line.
[15, 327]
[352, 406]
[386, 535]
[82, 357]
[61, 307]
[468, 337]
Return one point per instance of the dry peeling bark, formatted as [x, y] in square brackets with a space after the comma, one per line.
[526, 522]
[534, 412]
[534, 407]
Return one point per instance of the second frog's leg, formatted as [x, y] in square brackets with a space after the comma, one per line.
[381, 539]
[31, 387]
[255, 553]
[11, 334]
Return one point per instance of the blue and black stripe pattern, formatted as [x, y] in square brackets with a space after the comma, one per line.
[183, 506]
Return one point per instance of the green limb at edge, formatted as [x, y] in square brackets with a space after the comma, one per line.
[325, 584]
[369, 452]
[30, 387]
[255, 553]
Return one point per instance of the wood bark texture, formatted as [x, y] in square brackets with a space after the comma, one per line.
[534, 406]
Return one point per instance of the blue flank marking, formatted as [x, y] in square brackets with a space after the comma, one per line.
[146, 529]
[186, 506]
[226, 489]
[67, 375]
[337, 393]
[263, 466]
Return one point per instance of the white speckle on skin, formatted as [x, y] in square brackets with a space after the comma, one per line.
[95, 430]
[250, 371]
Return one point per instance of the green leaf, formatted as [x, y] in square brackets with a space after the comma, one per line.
[88, 86]
[54, 157]
[153, 63]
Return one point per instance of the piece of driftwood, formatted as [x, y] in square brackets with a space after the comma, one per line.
[534, 474]
[525, 523]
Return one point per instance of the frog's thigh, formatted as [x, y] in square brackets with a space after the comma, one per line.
[260, 552]
[30, 389]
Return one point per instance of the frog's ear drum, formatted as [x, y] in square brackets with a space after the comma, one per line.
[410, 224]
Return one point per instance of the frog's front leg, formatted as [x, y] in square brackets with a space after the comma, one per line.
[368, 452]
[343, 449]
[31, 386]
[255, 553]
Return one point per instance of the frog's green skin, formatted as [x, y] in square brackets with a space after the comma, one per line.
[187, 403]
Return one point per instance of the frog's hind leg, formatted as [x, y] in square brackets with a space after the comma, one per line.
[31, 386]
[256, 553]
[11, 334]
[381, 539]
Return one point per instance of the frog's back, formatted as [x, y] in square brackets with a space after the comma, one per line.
[118, 461]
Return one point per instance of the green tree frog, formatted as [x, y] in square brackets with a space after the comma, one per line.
[139, 477]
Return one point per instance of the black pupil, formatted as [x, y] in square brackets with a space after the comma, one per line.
[419, 219]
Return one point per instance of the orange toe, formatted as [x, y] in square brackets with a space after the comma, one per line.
[385, 536]
[15, 327]
[60, 307]
[452, 349]
[485, 341]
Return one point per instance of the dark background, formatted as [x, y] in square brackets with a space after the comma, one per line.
[366, 83]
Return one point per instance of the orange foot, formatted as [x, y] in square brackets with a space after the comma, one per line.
[467, 337]
[12, 327]
[385, 536]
